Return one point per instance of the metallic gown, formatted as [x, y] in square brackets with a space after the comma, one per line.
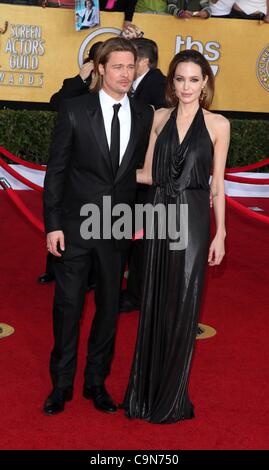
[173, 281]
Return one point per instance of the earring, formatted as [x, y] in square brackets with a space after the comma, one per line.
[203, 94]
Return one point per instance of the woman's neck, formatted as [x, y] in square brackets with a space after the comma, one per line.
[189, 109]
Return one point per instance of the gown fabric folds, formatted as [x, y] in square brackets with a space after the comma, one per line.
[173, 279]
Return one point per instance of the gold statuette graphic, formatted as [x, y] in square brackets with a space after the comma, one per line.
[5, 330]
[4, 29]
[205, 331]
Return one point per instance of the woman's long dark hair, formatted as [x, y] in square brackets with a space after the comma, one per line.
[198, 59]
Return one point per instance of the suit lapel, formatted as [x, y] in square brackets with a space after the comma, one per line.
[96, 120]
[142, 84]
[134, 134]
[97, 126]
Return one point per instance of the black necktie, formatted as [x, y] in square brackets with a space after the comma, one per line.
[132, 92]
[115, 139]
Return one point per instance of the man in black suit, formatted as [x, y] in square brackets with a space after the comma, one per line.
[148, 88]
[97, 145]
[78, 85]
[75, 86]
[149, 84]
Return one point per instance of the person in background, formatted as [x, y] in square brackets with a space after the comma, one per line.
[189, 8]
[24, 2]
[127, 7]
[149, 84]
[131, 31]
[79, 84]
[58, 3]
[221, 8]
[251, 10]
[90, 16]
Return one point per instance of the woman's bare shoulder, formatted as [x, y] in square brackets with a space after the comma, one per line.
[163, 112]
[216, 119]
[161, 116]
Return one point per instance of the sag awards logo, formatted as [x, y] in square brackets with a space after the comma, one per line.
[22, 51]
[211, 49]
[90, 37]
[262, 68]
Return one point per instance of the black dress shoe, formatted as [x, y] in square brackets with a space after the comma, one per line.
[45, 278]
[100, 397]
[127, 303]
[56, 400]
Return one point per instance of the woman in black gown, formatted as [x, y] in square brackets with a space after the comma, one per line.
[186, 141]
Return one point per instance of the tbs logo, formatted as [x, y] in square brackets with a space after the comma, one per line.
[210, 50]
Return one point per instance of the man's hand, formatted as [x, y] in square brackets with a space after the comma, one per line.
[186, 14]
[131, 31]
[55, 239]
[266, 18]
[86, 69]
[203, 14]
[126, 24]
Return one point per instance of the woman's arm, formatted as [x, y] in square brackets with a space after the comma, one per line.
[221, 146]
[144, 175]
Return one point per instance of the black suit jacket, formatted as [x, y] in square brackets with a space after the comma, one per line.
[71, 88]
[151, 89]
[79, 169]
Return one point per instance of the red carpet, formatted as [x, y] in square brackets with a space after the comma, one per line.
[229, 380]
[258, 202]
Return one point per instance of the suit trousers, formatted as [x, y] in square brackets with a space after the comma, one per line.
[50, 269]
[71, 271]
[50, 264]
[135, 269]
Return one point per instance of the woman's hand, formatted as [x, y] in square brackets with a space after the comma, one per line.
[143, 177]
[216, 250]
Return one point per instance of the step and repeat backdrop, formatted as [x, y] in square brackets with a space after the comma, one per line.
[40, 47]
